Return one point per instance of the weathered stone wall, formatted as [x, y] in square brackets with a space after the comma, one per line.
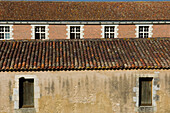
[105, 91]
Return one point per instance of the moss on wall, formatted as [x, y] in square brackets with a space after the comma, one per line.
[86, 91]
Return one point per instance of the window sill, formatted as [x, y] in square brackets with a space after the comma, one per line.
[26, 110]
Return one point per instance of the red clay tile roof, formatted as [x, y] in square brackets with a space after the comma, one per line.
[34, 10]
[85, 54]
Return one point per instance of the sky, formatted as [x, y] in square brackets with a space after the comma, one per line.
[88, 0]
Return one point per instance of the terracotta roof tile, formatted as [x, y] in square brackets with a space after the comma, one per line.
[36, 10]
[85, 54]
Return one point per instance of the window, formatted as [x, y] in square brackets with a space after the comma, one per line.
[26, 93]
[4, 32]
[145, 91]
[39, 31]
[109, 31]
[75, 31]
[144, 31]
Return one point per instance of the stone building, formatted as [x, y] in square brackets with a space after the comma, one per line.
[88, 57]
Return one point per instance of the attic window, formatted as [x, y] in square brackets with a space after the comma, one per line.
[75, 31]
[5, 32]
[144, 31]
[26, 93]
[109, 31]
[39, 31]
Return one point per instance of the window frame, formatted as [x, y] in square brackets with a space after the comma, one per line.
[150, 79]
[155, 87]
[10, 31]
[144, 25]
[81, 31]
[46, 31]
[115, 31]
[15, 96]
[22, 98]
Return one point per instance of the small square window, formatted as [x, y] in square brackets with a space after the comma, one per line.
[40, 32]
[109, 32]
[74, 32]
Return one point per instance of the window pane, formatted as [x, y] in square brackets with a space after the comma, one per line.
[71, 29]
[42, 35]
[140, 35]
[140, 28]
[145, 35]
[145, 91]
[78, 29]
[6, 28]
[43, 29]
[72, 35]
[112, 29]
[77, 35]
[36, 29]
[7, 35]
[26, 93]
[106, 29]
[111, 35]
[37, 35]
[1, 35]
[1, 28]
[146, 28]
[106, 35]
